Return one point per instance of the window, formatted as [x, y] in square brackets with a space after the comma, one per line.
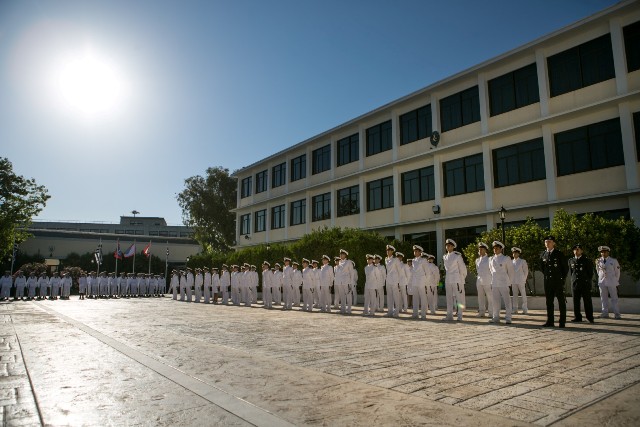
[379, 138]
[591, 147]
[321, 207]
[349, 201]
[460, 109]
[298, 212]
[260, 221]
[380, 194]
[519, 163]
[636, 126]
[245, 189]
[415, 125]
[277, 217]
[321, 159]
[464, 175]
[299, 167]
[348, 149]
[632, 46]
[261, 182]
[427, 240]
[279, 175]
[464, 236]
[245, 224]
[418, 185]
[581, 66]
[514, 90]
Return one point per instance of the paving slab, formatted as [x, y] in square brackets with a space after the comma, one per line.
[164, 362]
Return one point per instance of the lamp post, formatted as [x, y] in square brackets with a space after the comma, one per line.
[503, 214]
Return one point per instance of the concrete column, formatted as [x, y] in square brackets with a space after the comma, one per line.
[491, 224]
[435, 113]
[334, 205]
[487, 166]
[334, 157]
[483, 91]
[267, 224]
[549, 162]
[362, 135]
[395, 135]
[543, 79]
[628, 146]
[619, 61]
[308, 166]
[437, 181]
[307, 215]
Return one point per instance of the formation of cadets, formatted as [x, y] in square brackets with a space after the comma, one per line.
[90, 285]
[414, 283]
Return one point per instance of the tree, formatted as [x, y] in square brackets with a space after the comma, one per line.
[20, 200]
[206, 204]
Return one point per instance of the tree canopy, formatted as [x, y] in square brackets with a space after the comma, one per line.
[206, 204]
[20, 200]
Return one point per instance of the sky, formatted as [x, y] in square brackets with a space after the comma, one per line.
[112, 104]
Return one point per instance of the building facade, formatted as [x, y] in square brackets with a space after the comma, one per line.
[552, 124]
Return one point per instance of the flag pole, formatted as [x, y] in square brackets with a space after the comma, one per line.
[149, 255]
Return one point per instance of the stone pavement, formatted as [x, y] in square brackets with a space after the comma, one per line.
[164, 362]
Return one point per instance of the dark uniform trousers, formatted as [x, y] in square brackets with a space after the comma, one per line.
[554, 268]
[581, 271]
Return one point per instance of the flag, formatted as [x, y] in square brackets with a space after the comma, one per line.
[147, 250]
[131, 251]
[118, 253]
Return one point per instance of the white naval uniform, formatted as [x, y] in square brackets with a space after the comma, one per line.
[353, 299]
[307, 288]
[253, 286]
[113, 287]
[207, 287]
[454, 283]
[342, 284]
[6, 282]
[404, 283]
[132, 285]
[190, 281]
[326, 280]
[43, 284]
[420, 284]
[521, 270]
[235, 288]
[277, 287]
[432, 288]
[502, 276]
[316, 287]
[394, 305]
[608, 270]
[408, 272]
[183, 287]
[198, 282]
[32, 284]
[66, 286]
[215, 285]
[54, 283]
[20, 283]
[296, 287]
[174, 285]
[381, 285]
[372, 278]
[267, 287]
[483, 285]
[225, 282]
[287, 286]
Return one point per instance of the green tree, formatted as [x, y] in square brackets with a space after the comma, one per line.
[20, 200]
[206, 204]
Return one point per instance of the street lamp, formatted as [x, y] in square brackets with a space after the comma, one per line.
[503, 214]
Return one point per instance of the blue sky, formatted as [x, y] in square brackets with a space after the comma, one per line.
[192, 84]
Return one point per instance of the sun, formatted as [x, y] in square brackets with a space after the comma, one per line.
[89, 85]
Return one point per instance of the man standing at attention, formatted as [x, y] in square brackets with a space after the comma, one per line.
[608, 281]
[554, 269]
[581, 270]
[454, 279]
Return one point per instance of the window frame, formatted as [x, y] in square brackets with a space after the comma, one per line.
[412, 122]
[299, 167]
[278, 217]
[323, 200]
[520, 151]
[380, 194]
[348, 193]
[465, 164]
[321, 157]
[426, 173]
[279, 175]
[379, 144]
[515, 82]
[262, 178]
[298, 211]
[260, 219]
[245, 187]
[460, 109]
[245, 224]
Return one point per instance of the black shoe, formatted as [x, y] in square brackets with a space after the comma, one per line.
[562, 325]
[591, 321]
[576, 320]
[548, 325]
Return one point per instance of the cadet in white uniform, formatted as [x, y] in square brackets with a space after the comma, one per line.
[20, 283]
[277, 284]
[225, 282]
[235, 285]
[316, 283]
[207, 285]
[54, 283]
[371, 275]
[43, 284]
[502, 276]
[408, 272]
[307, 286]
[420, 283]
[454, 279]
[394, 305]
[433, 280]
[404, 282]
[377, 259]
[197, 283]
[521, 270]
[174, 284]
[32, 284]
[253, 284]
[296, 284]
[66, 286]
[190, 282]
[608, 270]
[342, 281]
[352, 297]
[6, 282]
[483, 282]
[326, 281]
[267, 281]
[215, 284]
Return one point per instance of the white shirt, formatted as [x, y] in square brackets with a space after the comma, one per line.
[502, 273]
[521, 270]
[608, 271]
[456, 270]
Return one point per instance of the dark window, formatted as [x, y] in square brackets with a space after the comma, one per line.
[260, 220]
[261, 182]
[348, 149]
[591, 147]
[464, 236]
[349, 201]
[245, 190]
[519, 163]
[415, 125]
[277, 217]
[321, 159]
[464, 175]
[245, 224]
[632, 46]
[299, 167]
[379, 138]
[321, 207]
[380, 194]
[514, 90]
[279, 175]
[298, 212]
[427, 240]
[418, 185]
[581, 66]
[636, 126]
[460, 109]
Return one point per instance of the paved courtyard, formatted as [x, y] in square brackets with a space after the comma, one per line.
[163, 362]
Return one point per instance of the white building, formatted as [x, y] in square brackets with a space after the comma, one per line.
[552, 124]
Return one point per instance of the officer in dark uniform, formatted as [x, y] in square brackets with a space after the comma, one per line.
[581, 270]
[554, 269]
